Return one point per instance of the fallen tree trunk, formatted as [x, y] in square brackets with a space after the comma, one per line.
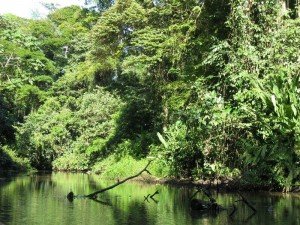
[94, 194]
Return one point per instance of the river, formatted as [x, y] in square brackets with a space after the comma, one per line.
[40, 199]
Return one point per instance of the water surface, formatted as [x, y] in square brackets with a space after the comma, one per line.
[40, 199]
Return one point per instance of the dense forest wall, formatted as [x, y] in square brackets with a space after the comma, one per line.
[210, 89]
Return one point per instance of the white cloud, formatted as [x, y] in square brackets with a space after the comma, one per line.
[24, 8]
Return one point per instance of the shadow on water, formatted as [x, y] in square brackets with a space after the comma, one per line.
[6, 177]
[134, 213]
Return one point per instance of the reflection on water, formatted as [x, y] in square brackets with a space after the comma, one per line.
[40, 199]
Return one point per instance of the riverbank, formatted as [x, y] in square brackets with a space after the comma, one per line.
[224, 185]
[9, 160]
[228, 185]
[114, 169]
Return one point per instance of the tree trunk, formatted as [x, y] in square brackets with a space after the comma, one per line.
[298, 8]
[284, 6]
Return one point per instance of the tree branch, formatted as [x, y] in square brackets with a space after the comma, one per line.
[8, 59]
[92, 195]
[6, 64]
[246, 202]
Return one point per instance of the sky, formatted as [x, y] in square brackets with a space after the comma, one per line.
[25, 8]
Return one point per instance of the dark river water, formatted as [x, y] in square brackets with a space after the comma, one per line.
[40, 199]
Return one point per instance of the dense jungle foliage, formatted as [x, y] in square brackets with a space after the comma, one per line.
[209, 89]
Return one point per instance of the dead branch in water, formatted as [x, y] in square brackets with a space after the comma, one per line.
[146, 198]
[246, 202]
[94, 194]
[233, 210]
[155, 193]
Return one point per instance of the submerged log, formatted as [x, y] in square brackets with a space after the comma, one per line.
[70, 196]
[198, 204]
